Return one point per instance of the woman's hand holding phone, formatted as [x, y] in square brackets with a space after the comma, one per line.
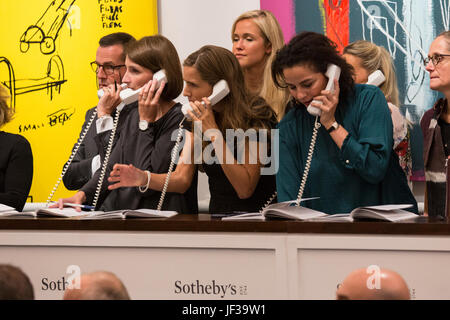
[149, 100]
[202, 111]
[327, 102]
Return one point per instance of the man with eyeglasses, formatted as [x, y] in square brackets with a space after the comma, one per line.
[109, 66]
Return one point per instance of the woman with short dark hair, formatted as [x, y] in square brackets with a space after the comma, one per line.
[146, 137]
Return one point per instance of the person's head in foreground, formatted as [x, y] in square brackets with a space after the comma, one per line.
[373, 284]
[100, 285]
[14, 284]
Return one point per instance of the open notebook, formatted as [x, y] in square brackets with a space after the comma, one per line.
[122, 214]
[286, 210]
[6, 211]
[388, 212]
[47, 212]
[72, 213]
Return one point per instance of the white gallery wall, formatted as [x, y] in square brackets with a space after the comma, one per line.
[191, 24]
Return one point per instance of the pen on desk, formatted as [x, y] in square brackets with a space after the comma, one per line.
[82, 206]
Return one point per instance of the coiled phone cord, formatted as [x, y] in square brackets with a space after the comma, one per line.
[72, 156]
[268, 202]
[308, 161]
[172, 163]
[106, 160]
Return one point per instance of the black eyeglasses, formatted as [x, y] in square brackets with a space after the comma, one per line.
[107, 68]
[435, 59]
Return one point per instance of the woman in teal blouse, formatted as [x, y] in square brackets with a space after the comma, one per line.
[353, 164]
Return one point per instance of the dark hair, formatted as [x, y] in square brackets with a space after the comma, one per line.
[121, 38]
[118, 38]
[315, 51]
[14, 284]
[243, 109]
[156, 53]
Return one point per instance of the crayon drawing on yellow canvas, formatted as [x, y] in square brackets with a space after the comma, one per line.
[44, 63]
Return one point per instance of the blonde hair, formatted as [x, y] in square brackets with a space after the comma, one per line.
[374, 58]
[272, 34]
[6, 113]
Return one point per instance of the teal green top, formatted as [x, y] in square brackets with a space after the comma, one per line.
[349, 177]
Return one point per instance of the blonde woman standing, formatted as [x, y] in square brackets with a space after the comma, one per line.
[256, 37]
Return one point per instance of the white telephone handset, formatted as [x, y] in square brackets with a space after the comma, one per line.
[128, 95]
[220, 91]
[376, 78]
[333, 72]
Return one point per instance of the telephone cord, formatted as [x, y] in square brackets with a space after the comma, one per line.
[308, 161]
[106, 160]
[172, 163]
[268, 202]
[72, 156]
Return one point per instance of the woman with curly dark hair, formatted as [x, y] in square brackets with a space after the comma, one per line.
[353, 164]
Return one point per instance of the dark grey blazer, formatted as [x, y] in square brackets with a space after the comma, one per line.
[80, 170]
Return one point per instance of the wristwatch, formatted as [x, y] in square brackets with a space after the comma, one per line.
[333, 127]
[143, 125]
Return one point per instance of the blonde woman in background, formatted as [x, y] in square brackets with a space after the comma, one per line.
[257, 37]
[16, 161]
[366, 58]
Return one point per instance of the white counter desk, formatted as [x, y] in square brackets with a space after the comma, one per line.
[197, 257]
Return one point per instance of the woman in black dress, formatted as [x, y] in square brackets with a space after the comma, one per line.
[16, 161]
[237, 179]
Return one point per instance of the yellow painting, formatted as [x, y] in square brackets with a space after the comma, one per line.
[44, 63]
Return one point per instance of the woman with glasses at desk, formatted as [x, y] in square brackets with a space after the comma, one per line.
[435, 125]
